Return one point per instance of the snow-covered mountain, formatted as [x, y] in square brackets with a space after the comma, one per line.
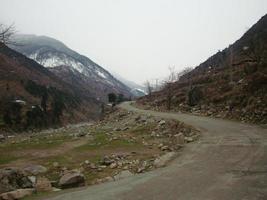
[70, 65]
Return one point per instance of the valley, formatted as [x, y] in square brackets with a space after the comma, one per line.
[73, 129]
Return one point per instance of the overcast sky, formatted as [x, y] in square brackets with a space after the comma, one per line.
[139, 39]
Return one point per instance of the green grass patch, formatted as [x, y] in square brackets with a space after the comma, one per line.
[143, 130]
[7, 158]
[34, 143]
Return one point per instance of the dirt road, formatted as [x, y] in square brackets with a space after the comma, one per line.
[229, 162]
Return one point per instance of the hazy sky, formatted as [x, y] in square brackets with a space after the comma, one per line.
[139, 39]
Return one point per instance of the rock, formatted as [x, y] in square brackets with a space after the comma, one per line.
[35, 169]
[81, 134]
[113, 165]
[16, 194]
[32, 179]
[123, 174]
[162, 122]
[87, 162]
[93, 166]
[117, 129]
[165, 148]
[125, 128]
[141, 169]
[56, 189]
[180, 139]
[72, 179]
[43, 185]
[55, 164]
[163, 160]
[2, 138]
[106, 161]
[188, 139]
[12, 179]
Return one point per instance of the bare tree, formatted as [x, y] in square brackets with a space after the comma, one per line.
[6, 33]
[148, 88]
[168, 86]
[186, 70]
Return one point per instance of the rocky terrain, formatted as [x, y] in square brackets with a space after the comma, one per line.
[122, 144]
[230, 84]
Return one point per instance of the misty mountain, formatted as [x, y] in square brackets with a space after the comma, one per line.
[136, 89]
[70, 65]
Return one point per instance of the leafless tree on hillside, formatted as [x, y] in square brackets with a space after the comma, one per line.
[168, 86]
[186, 70]
[6, 34]
[148, 88]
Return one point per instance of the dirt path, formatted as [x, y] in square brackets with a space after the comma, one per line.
[228, 162]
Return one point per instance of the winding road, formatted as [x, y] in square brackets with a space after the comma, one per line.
[229, 162]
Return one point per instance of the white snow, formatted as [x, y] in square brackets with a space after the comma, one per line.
[54, 60]
[101, 74]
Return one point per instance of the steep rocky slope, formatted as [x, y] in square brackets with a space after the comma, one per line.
[32, 96]
[231, 84]
[70, 65]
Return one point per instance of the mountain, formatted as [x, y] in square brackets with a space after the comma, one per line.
[136, 89]
[230, 84]
[70, 65]
[34, 97]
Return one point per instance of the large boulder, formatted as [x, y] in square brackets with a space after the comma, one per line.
[163, 160]
[16, 194]
[12, 179]
[35, 169]
[72, 179]
[43, 185]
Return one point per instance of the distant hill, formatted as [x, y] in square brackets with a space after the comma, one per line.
[34, 97]
[230, 84]
[70, 66]
[136, 89]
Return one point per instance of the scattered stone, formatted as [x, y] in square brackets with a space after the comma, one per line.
[32, 179]
[123, 174]
[56, 189]
[55, 164]
[93, 166]
[180, 139]
[81, 134]
[162, 122]
[43, 185]
[12, 179]
[16, 194]
[163, 160]
[188, 139]
[113, 165]
[87, 162]
[35, 169]
[72, 179]
[2, 138]
[165, 148]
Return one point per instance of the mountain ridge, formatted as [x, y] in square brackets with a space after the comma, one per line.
[52, 53]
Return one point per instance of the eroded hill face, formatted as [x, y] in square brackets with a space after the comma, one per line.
[230, 84]
[33, 97]
[70, 65]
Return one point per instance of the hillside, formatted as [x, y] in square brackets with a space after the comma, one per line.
[70, 65]
[230, 84]
[33, 97]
